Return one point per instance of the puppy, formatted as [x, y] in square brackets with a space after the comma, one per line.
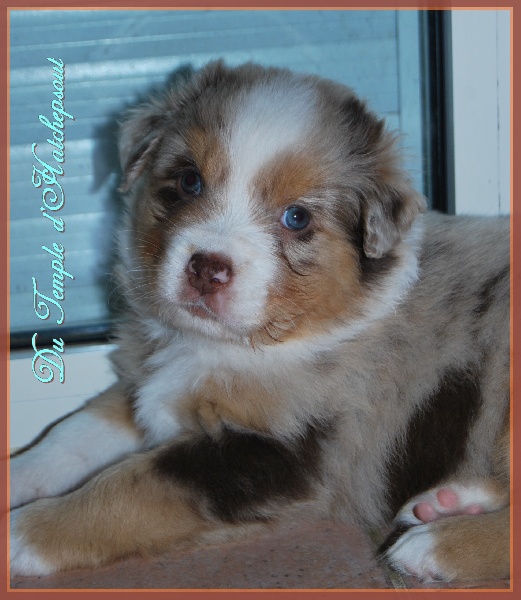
[298, 336]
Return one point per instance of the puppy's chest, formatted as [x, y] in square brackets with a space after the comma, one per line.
[189, 390]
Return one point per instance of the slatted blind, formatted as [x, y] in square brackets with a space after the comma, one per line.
[110, 59]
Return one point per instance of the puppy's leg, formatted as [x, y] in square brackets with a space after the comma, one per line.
[124, 510]
[75, 448]
[458, 530]
[165, 497]
[457, 548]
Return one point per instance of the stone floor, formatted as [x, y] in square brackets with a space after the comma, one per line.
[296, 555]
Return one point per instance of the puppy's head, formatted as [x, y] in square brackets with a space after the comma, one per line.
[263, 206]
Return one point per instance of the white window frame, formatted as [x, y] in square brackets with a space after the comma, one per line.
[481, 63]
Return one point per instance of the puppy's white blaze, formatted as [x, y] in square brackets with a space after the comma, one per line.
[271, 119]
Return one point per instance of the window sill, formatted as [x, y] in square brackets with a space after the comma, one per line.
[33, 404]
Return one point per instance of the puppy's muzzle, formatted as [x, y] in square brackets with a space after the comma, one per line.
[209, 273]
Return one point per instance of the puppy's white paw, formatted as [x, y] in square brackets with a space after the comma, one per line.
[25, 560]
[413, 554]
[448, 501]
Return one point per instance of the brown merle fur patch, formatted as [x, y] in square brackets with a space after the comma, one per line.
[435, 440]
[241, 474]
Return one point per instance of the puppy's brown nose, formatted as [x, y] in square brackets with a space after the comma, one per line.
[208, 273]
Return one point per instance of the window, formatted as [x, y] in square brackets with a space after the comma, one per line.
[110, 60]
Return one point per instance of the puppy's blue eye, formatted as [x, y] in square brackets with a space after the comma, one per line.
[191, 183]
[295, 218]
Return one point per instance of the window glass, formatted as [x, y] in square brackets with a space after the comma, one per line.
[111, 58]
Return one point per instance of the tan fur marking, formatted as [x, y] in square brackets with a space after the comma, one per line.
[320, 281]
[209, 155]
[304, 304]
[233, 400]
[113, 405]
[474, 547]
[285, 180]
[153, 222]
[150, 234]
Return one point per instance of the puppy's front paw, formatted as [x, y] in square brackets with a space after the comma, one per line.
[25, 559]
[456, 531]
[413, 554]
[464, 548]
[454, 499]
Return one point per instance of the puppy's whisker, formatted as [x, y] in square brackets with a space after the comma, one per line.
[300, 312]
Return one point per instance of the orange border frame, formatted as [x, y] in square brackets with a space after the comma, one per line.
[4, 278]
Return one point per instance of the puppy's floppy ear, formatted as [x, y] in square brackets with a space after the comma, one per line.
[388, 213]
[141, 130]
[389, 204]
[140, 134]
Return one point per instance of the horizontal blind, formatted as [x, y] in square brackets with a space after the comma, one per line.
[111, 59]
